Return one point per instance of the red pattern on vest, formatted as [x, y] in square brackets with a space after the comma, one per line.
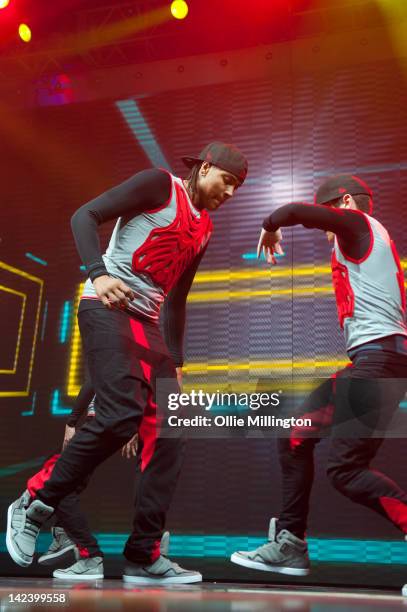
[168, 251]
[345, 297]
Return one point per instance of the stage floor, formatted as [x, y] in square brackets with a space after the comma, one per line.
[113, 594]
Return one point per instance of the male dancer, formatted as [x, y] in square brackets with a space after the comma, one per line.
[159, 239]
[370, 295]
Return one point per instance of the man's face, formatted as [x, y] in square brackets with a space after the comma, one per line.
[215, 186]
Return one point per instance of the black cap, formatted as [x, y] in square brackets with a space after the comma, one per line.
[339, 185]
[225, 156]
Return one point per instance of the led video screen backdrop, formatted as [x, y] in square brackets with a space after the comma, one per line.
[241, 315]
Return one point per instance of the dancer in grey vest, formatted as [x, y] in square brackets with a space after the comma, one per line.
[360, 400]
[161, 234]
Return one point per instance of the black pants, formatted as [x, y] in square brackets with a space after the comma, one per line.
[358, 402]
[125, 357]
[69, 514]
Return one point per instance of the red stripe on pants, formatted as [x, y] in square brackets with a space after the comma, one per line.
[396, 511]
[156, 552]
[37, 481]
[83, 552]
[148, 426]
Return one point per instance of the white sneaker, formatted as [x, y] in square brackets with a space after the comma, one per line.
[24, 521]
[90, 568]
[283, 554]
[162, 571]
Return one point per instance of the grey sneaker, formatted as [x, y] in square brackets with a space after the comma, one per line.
[162, 571]
[61, 548]
[24, 521]
[84, 569]
[284, 554]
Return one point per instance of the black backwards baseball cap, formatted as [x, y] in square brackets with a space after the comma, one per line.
[339, 185]
[225, 156]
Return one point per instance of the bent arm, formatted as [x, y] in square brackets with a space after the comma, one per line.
[140, 193]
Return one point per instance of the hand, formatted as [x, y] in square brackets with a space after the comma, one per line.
[112, 291]
[179, 377]
[68, 435]
[269, 243]
[129, 450]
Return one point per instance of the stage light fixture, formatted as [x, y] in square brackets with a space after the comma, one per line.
[4, 3]
[179, 9]
[24, 32]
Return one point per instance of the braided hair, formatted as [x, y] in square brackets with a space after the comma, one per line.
[192, 180]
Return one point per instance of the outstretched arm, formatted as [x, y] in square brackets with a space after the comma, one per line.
[350, 226]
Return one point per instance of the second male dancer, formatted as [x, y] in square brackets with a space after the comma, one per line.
[362, 399]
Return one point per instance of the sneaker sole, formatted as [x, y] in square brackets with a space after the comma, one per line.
[13, 552]
[58, 556]
[172, 580]
[290, 571]
[61, 576]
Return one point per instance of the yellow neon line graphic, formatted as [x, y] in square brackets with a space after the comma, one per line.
[37, 323]
[74, 384]
[275, 365]
[211, 296]
[20, 327]
[267, 274]
[249, 387]
[220, 276]
[40, 282]
[21, 273]
[14, 393]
